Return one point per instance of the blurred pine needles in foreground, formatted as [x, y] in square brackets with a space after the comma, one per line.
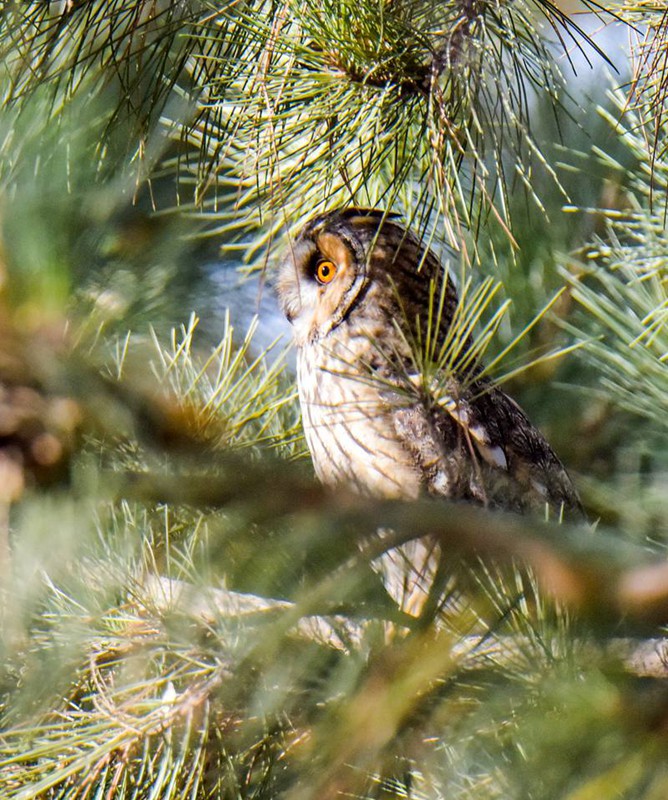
[184, 611]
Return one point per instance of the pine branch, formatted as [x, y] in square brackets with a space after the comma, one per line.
[648, 92]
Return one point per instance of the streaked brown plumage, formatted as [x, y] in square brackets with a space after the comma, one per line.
[369, 420]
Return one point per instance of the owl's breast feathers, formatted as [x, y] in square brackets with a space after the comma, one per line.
[348, 422]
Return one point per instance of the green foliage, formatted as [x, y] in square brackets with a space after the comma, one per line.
[625, 288]
[277, 106]
[251, 395]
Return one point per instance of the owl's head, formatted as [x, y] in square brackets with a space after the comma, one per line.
[335, 260]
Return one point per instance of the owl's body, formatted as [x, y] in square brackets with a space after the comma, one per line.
[359, 291]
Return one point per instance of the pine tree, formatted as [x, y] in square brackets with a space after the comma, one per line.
[184, 611]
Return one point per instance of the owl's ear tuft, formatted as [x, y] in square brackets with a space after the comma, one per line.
[353, 216]
[357, 215]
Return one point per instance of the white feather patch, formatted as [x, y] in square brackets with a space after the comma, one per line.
[493, 454]
[541, 488]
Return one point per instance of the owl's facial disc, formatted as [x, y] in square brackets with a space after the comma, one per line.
[319, 281]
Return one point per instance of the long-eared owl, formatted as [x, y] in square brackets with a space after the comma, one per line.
[364, 298]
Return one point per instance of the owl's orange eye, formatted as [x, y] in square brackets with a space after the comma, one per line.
[325, 271]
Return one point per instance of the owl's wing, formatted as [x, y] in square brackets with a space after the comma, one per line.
[476, 443]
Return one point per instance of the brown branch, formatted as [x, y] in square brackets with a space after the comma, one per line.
[640, 657]
[594, 574]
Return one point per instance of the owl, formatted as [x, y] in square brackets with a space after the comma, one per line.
[368, 303]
